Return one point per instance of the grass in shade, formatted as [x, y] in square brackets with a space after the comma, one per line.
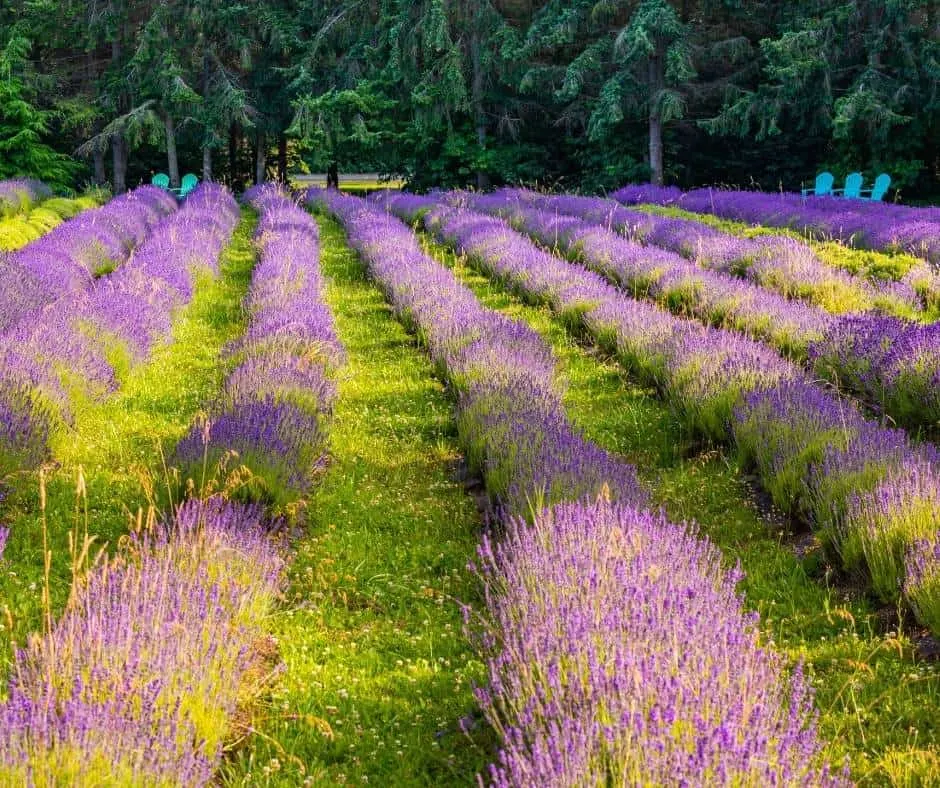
[378, 672]
[878, 705]
[116, 445]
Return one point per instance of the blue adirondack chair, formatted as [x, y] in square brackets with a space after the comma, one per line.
[853, 186]
[162, 180]
[823, 185]
[188, 183]
[880, 188]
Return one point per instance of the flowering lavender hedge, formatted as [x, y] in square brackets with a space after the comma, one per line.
[78, 344]
[136, 684]
[892, 364]
[620, 654]
[581, 619]
[270, 418]
[66, 259]
[867, 489]
[784, 265]
[140, 679]
[21, 194]
[510, 417]
[870, 225]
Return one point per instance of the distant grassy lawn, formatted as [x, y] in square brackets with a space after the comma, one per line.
[378, 671]
[353, 183]
[878, 706]
[117, 444]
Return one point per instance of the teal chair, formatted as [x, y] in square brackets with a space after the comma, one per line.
[823, 187]
[162, 180]
[188, 183]
[878, 190]
[853, 186]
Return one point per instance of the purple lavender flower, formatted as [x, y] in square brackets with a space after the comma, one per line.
[137, 680]
[509, 415]
[618, 650]
[871, 225]
[922, 582]
[21, 194]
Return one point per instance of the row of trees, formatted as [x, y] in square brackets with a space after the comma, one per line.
[587, 93]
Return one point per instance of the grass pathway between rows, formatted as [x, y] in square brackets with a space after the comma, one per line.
[117, 443]
[378, 671]
[877, 705]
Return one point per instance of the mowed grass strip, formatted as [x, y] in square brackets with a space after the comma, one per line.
[379, 673]
[878, 705]
[117, 444]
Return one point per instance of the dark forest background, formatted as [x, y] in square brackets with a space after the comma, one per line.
[579, 94]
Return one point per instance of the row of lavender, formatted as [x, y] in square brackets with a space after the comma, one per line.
[779, 263]
[78, 344]
[871, 225]
[893, 365]
[139, 681]
[873, 494]
[270, 417]
[617, 647]
[67, 259]
[21, 194]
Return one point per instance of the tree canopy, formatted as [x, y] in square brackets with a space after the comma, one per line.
[583, 93]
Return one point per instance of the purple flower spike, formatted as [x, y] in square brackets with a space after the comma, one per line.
[509, 416]
[618, 651]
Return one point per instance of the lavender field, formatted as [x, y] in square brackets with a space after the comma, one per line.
[508, 488]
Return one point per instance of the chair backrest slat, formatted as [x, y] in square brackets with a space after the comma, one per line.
[853, 185]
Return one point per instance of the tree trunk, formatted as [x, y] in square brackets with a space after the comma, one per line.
[119, 159]
[100, 176]
[476, 99]
[282, 158]
[261, 157]
[206, 163]
[657, 81]
[172, 160]
[233, 143]
[119, 146]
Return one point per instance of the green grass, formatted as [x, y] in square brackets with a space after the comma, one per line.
[378, 671]
[878, 706]
[117, 446]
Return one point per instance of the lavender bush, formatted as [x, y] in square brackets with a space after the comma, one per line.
[619, 653]
[818, 456]
[21, 194]
[78, 343]
[585, 683]
[270, 418]
[510, 417]
[892, 364]
[138, 681]
[870, 225]
[922, 583]
[784, 265]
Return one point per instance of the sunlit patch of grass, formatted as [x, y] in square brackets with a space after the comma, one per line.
[378, 671]
[878, 704]
[118, 445]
